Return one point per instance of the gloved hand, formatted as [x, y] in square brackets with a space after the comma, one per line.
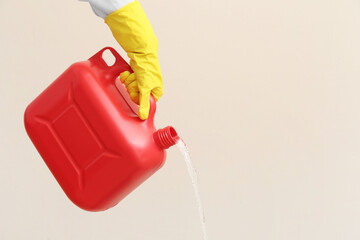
[132, 29]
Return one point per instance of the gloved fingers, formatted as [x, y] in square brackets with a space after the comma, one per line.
[144, 98]
[132, 87]
[133, 91]
[157, 93]
[134, 97]
[131, 78]
[124, 75]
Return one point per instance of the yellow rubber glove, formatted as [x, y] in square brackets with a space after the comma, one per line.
[132, 29]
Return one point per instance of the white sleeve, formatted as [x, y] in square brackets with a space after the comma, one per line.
[103, 8]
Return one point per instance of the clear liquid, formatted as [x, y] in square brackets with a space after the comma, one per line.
[194, 179]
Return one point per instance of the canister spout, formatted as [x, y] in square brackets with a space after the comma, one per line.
[166, 137]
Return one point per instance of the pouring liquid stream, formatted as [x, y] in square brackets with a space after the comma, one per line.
[194, 180]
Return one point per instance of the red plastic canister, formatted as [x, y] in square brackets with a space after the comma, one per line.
[86, 129]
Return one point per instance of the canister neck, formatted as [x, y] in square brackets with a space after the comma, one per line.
[166, 137]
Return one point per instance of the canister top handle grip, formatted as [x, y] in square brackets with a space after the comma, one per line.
[118, 67]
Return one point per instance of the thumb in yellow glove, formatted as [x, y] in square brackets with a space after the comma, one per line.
[132, 29]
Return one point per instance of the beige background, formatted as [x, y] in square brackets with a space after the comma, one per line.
[265, 93]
